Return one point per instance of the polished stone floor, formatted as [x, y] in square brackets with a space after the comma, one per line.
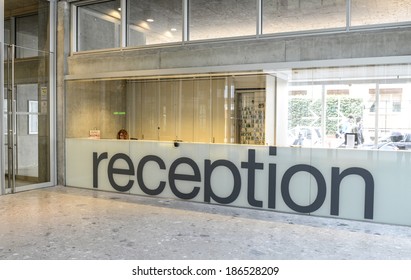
[69, 223]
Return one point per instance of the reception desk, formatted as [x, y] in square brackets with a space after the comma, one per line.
[364, 185]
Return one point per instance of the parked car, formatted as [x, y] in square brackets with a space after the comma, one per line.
[402, 140]
[387, 146]
[405, 142]
[305, 136]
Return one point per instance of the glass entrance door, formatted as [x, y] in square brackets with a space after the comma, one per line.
[26, 121]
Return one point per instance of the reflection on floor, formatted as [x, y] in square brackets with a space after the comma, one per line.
[22, 181]
[24, 176]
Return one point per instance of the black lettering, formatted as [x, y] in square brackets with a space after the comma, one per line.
[140, 180]
[272, 185]
[96, 162]
[251, 165]
[272, 179]
[208, 191]
[321, 185]
[172, 177]
[336, 179]
[111, 171]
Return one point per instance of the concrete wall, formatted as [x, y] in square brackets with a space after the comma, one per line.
[359, 44]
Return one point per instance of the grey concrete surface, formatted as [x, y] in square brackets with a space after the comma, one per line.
[69, 223]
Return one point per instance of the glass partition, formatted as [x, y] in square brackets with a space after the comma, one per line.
[95, 105]
[295, 15]
[154, 22]
[192, 109]
[99, 26]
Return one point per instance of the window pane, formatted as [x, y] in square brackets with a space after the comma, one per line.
[97, 105]
[154, 22]
[305, 112]
[371, 104]
[27, 36]
[365, 12]
[219, 19]
[296, 15]
[99, 26]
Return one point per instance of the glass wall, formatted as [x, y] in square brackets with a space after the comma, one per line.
[154, 22]
[296, 15]
[164, 22]
[99, 26]
[192, 109]
[222, 19]
[365, 107]
[358, 107]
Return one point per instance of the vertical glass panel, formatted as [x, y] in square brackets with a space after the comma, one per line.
[202, 111]
[365, 12]
[346, 116]
[150, 110]
[185, 111]
[154, 22]
[219, 95]
[305, 111]
[169, 90]
[219, 19]
[99, 26]
[134, 109]
[297, 15]
[391, 123]
[27, 36]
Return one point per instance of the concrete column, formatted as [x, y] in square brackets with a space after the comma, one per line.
[62, 52]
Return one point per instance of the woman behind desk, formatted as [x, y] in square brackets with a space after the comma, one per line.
[122, 134]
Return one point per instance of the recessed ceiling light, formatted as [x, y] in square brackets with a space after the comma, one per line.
[119, 9]
[150, 20]
[173, 29]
